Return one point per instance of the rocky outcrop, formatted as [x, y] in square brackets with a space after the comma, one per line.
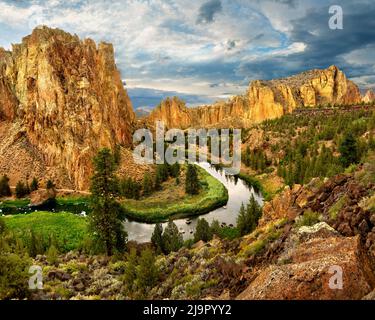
[264, 100]
[61, 99]
[310, 268]
[369, 97]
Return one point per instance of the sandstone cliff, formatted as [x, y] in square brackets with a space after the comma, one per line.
[61, 99]
[369, 97]
[264, 100]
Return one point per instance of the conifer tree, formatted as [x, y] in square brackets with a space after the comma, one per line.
[203, 231]
[172, 238]
[192, 181]
[157, 238]
[4, 187]
[107, 214]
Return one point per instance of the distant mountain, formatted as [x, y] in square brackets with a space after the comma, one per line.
[264, 100]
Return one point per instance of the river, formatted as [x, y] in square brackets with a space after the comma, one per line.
[238, 191]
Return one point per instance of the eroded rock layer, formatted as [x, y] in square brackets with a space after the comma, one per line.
[264, 100]
[61, 99]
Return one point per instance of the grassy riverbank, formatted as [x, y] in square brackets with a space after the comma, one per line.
[66, 229]
[172, 202]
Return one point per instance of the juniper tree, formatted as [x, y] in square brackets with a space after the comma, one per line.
[202, 231]
[34, 185]
[172, 238]
[4, 187]
[157, 238]
[192, 181]
[107, 214]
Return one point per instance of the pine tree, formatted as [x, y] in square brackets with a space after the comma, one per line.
[107, 214]
[130, 273]
[4, 187]
[172, 238]
[192, 181]
[147, 272]
[215, 227]
[50, 184]
[21, 190]
[175, 170]
[157, 238]
[34, 185]
[203, 231]
[247, 219]
[243, 223]
[349, 150]
[147, 184]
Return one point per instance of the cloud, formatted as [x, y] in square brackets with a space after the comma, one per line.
[208, 48]
[208, 11]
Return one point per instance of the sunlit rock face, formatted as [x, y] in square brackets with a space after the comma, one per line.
[369, 97]
[264, 100]
[61, 98]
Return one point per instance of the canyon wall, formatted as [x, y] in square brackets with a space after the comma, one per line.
[264, 100]
[61, 99]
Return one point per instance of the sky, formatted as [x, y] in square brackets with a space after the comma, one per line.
[207, 50]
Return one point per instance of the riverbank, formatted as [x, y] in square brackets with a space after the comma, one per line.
[213, 195]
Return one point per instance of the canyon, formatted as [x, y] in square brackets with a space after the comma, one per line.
[62, 99]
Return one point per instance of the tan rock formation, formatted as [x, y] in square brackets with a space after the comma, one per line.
[60, 99]
[307, 274]
[369, 97]
[264, 100]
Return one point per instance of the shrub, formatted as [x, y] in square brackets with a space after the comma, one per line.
[309, 218]
[13, 276]
[4, 187]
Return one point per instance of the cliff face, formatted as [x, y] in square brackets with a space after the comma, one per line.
[369, 97]
[265, 100]
[61, 99]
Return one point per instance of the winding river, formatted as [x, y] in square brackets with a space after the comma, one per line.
[238, 191]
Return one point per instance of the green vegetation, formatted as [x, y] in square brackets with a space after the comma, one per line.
[203, 231]
[34, 185]
[157, 238]
[247, 219]
[212, 195]
[309, 218]
[172, 239]
[335, 209]
[107, 214]
[67, 229]
[192, 181]
[305, 146]
[22, 189]
[4, 187]
[14, 276]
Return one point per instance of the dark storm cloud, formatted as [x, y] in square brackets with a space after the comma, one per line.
[324, 46]
[208, 10]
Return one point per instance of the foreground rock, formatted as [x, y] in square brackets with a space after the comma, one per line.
[309, 269]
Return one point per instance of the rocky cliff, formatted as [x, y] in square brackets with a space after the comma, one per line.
[61, 99]
[369, 96]
[264, 100]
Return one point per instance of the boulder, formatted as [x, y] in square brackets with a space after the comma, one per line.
[309, 272]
